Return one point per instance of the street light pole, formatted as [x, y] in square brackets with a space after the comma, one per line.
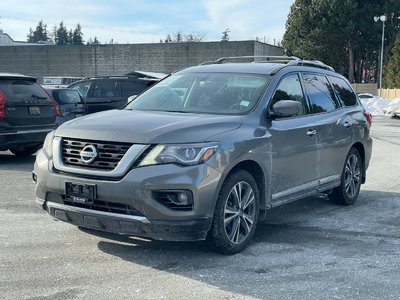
[383, 19]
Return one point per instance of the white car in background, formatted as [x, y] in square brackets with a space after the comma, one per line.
[393, 108]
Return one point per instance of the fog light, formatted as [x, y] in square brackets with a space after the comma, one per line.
[175, 199]
[182, 198]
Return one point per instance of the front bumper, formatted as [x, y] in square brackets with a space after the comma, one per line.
[154, 219]
[189, 230]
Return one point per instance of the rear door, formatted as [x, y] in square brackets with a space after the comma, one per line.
[105, 94]
[27, 103]
[333, 135]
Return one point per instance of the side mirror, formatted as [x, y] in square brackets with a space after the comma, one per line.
[285, 109]
[131, 98]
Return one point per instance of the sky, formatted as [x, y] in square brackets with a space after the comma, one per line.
[140, 21]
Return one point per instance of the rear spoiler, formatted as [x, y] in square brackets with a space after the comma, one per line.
[17, 76]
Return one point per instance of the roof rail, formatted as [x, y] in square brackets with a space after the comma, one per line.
[311, 63]
[266, 58]
[289, 60]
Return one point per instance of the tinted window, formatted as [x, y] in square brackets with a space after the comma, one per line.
[130, 88]
[22, 87]
[343, 91]
[82, 88]
[290, 89]
[66, 96]
[105, 89]
[320, 95]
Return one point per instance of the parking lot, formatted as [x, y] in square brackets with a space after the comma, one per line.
[310, 249]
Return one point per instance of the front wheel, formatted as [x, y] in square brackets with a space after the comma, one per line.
[350, 183]
[236, 213]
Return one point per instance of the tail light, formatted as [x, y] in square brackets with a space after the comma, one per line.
[56, 105]
[368, 115]
[2, 105]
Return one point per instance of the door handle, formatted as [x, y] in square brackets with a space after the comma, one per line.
[347, 124]
[311, 132]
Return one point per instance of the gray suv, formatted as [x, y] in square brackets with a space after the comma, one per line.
[207, 151]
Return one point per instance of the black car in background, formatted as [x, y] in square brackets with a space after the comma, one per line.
[27, 114]
[70, 102]
[110, 92]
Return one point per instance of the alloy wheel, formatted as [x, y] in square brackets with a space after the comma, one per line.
[352, 175]
[239, 212]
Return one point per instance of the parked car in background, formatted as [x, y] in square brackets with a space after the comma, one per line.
[70, 102]
[207, 151]
[110, 92]
[27, 114]
[366, 96]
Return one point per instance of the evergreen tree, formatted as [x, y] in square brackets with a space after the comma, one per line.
[94, 41]
[77, 36]
[62, 37]
[225, 35]
[392, 70]
[341, 33]
[178, 37]
[39, 34]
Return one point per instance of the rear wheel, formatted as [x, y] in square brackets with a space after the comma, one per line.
[25, 151]
[236, 213]
[349, 188]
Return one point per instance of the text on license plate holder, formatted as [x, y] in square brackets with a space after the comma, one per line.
[82, 193]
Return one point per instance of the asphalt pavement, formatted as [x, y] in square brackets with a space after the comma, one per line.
[310, 249]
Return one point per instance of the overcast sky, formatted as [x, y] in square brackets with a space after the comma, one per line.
[140, 21]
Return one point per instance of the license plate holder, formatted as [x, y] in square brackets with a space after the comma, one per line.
[80, 192]
[34, 110]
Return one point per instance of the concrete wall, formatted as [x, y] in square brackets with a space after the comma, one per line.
[91, 60]
[371, 88]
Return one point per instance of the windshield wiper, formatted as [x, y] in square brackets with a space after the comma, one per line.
[38, 97]
[177, 111]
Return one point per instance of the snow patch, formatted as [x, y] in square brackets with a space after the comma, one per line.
[380, 106]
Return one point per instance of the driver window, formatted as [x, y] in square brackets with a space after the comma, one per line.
[290, 89]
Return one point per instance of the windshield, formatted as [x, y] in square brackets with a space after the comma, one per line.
[216, 93]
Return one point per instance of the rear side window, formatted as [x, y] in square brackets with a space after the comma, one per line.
[320, 94]
[23, 87]
[343, 91]
[130, 88]
[82, 88]
[67, 96]
[105, 89]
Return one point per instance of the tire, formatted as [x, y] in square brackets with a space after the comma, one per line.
[350, 182]
[236, 213]
[25, 151]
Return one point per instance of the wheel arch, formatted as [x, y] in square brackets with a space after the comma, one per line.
[258, 174]
[360, 148]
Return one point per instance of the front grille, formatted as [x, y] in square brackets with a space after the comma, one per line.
[117, 208]
[108, 157]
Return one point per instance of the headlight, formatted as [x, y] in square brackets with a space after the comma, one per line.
[48, 144]
[179, 154]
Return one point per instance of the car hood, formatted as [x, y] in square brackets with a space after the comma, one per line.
[145, 127]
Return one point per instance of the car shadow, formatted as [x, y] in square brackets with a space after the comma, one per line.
[311, 224]
[10, 162]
